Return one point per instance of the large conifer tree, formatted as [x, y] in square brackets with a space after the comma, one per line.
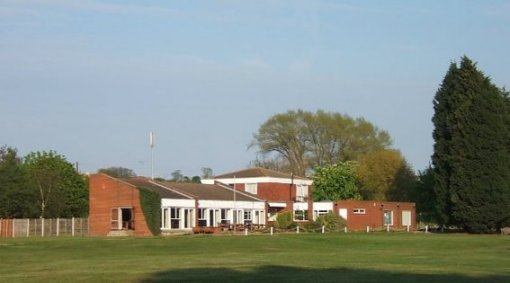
[471, 151]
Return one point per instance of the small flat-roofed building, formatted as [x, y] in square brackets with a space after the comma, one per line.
[377, 215]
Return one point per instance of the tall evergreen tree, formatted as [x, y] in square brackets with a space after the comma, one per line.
[471, 151]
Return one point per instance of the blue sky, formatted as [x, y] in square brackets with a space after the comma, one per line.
[90, 79]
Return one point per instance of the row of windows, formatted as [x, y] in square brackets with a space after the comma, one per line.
[302, 214]
[179, 218]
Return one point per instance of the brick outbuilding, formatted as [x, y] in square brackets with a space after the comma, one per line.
[115, 208]
[377, 215]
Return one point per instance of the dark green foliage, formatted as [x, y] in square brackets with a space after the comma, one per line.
[285, 220]
[471, 151]
[422, 194]
[61, 191]
[336, 182]
[16, 198]
[151, 207]
[403, 184]
[330, 221]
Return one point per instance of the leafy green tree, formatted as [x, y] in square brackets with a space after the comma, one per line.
[207, 173]
[16, 199]
[117, 172]
[284, 134]
[62, 192]
[196, 179]
[385, 175]
[471, 152]
[307, 140]
[177, 176]
[336, 182]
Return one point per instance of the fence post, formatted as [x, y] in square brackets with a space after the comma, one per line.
[58, 226]
[368, 229]
[13, 228]
[322, 229]
[388, 228]
[42, 227]
[426, 228]
[246, 232]
[28, 227]
[408, 229]
[72, 226]
[271, 231]
[297, 229]
[345, 229]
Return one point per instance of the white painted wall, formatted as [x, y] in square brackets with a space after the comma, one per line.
[323, 206]
[300, 206]
[259, 180]
[166, 202]
[230, 204]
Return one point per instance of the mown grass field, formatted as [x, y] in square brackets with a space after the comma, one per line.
[376, 257]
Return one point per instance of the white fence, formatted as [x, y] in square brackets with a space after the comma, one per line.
[44, 227]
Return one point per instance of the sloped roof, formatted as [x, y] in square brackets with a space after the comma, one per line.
[257, 172]
[209, 192]
[146, 183]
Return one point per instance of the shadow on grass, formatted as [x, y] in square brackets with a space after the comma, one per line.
[293, 274]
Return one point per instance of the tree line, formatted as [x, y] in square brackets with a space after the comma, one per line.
[467, 185]
[41, 184]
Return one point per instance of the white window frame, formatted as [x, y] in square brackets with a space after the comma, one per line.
[303, 212]
[317, 213]
[251, 188]
[391, 217]
[175, 215]
[302, 191]
[247, 215]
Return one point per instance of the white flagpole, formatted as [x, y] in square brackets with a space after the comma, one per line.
[151, 142]
[235, 206]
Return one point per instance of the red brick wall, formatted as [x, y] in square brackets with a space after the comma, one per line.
[5, 228]
[107, 193]
[374, 214]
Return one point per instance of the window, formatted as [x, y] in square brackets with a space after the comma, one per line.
[224, 216]
[388, 217]
[202, 217]
[247, 215]
[317, 213]
[302, 191]
[300, 215]
[251, 188]
[175, 219]
[359, 211]
[237, 216]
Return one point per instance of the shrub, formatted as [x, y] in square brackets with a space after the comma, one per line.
[330, 221]
[285, 221]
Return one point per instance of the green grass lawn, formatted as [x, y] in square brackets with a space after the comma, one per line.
[375, 257]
